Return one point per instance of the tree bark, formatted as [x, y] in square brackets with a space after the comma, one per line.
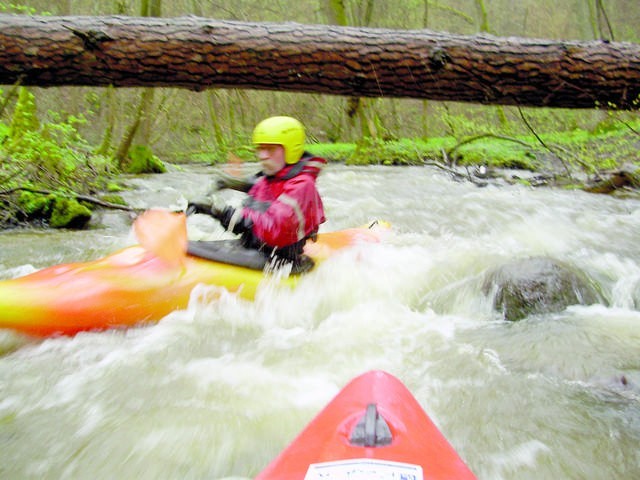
[198, 53]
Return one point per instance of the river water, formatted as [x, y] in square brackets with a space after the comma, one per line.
[217, 390]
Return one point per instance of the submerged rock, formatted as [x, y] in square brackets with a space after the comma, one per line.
[539, 285]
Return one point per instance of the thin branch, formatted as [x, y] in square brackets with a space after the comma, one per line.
[77, 196]
[542, 142]
[441, 166]
[603, 13]
[474, 138]
[628, 125]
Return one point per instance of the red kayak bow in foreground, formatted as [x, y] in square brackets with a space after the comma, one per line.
[373, 429]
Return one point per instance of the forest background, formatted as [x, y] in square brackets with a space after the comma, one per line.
[61, 145]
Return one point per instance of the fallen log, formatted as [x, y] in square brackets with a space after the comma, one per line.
[198, 53]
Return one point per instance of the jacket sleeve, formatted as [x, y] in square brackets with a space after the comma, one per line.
[290, 217]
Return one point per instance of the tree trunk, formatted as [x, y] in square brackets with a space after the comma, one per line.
[425, 102]
[127, 139]
[199, 53]
[143, 124]
[218, 135]
[107, 136]
[357, 107]
[484, 27]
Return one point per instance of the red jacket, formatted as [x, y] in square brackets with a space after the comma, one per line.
[286, 208]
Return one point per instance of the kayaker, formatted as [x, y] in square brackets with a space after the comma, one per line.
[283, 209]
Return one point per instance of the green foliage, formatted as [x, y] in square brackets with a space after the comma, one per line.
[496, 153]
[610, 146]
[25, 118]
[48, 156]
[19, 9]
[238, 147]
[461, 123]
[4, 132]
[380, 152]
[338, 152]
[34, 204]
[578, 149]
[113, 187]
[51, 153]
[245, 151]
[396, 152]
[113, 198]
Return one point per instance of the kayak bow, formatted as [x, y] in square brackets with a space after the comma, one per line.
[373, 428]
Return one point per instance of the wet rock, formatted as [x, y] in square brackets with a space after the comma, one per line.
[538, 285]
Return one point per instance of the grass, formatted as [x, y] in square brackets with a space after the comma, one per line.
[589, 151]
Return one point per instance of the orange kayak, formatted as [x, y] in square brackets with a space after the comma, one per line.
[373, 429]
[134, 286]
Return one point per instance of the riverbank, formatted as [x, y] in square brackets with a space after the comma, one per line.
[604, 160]
[601, 161]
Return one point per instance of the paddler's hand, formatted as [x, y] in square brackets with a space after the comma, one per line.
[228, 216]
[223, 215]
[223, 182]
[234, 183]
[199, 206]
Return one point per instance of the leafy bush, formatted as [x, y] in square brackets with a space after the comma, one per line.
[52, 154]
[46, 157]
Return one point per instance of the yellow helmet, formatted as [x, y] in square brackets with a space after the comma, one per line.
[285, 131]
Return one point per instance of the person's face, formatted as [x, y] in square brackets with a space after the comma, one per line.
[271, 158]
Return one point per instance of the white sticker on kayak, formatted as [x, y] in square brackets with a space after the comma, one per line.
[363, 469]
